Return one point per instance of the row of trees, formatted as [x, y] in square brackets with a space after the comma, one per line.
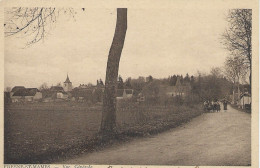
[237, 40]
[173, 79]
[212, 86]
[135, 84]
[202, 86]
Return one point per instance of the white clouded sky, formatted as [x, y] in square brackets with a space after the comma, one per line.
[159, 42]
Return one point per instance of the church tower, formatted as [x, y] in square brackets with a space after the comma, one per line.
[67, 85]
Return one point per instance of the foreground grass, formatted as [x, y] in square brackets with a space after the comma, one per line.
[42, 133]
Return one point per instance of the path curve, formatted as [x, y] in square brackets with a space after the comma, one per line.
[212, 139]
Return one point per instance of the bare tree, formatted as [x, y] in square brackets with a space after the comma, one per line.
[33, 22]
[43, 86]
[235, 70]
[59, 84]
[8, 89]
[237, 38]
[230, 75]
[217, 72]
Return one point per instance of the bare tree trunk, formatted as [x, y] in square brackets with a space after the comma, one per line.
[250, 77]
[238, 94]
[233, 93]
[233, 97]
[108, 123]
[238, 91]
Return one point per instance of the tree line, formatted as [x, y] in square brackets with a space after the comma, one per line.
[237, 40]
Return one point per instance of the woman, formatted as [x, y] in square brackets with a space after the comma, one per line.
[225, 104]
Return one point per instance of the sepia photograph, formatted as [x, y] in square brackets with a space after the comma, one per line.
[167, 86]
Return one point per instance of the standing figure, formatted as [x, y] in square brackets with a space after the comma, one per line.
[213, 106]
[218, 106]
[205, 104]
[225, 104]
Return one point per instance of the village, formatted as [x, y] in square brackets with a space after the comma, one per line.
[84, 92]
[90, 93]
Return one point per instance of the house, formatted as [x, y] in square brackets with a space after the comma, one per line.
[128, 93]
[26, 95]
[88, 93]
[83, 94]
[17, 94]
[62, 95]
[15, 89]
[55, 92]
[178, 90]
[171, 91]
[33, 94]
[124, 93]
[16, 99]
[46, 94]
[56, 89]
[245, 101]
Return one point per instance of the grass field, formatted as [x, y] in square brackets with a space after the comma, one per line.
[33, 130]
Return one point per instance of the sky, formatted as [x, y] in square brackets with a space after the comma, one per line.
[159, 42]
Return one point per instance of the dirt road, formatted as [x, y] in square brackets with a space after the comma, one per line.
[215, 139]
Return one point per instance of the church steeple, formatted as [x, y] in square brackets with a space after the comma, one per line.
[67, 86]
[67, 80]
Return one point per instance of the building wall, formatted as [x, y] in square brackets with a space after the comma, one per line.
[124, 94]
[62, 96]
[171, 94]
[245, 100]
[11, 94]
[180, 90]
[67, 87]
[65, 96]
[28, 98]
[16, 99]
[59, 95]
[37, 96]
[129, 95]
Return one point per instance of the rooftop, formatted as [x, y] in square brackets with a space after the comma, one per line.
[26, 92]
[16, 88]
[67, 80]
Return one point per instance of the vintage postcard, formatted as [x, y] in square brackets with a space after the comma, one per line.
[129, 83]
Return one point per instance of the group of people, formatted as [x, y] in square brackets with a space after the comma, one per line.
[214, 105]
